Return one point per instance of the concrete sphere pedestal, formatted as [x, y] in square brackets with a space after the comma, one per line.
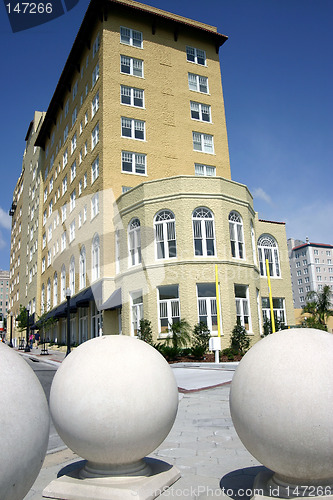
[113, 401]
[24, 430]
[281, 402]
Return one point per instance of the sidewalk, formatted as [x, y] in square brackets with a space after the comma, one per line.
[202, 443]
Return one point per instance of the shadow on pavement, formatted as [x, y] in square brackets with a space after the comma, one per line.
[238, 484]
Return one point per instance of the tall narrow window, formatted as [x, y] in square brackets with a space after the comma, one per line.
[63, 283]
[236, 235]
[42, 300]
[55, 289]
[83, 268]
[95, 254]
[134, 242]
[72, 276]
[169, 306]
[207, 307]
[165, 235]
[48, 295]
[136, 310]
[268, 249]
[243, 315]
[203, 232]
[253, 241]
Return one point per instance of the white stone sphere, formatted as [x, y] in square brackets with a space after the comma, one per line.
[24, 425]
[114, 400]
[281, 404]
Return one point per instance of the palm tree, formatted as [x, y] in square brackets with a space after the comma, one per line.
[179, 334]
[319, 306]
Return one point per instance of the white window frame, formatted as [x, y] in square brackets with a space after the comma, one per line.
[95, 137]
[196, 56]
[94, 170]
[198, 83]
[133, 129]
[135, 66]
[268, 249]
[72, 276]
[128, 36]
[72, 231]
[95, 258]
[207, 307]
[73, 143]
[199, 108]
[95, 104]
[95, 75]
[203, 232]
[129, 93]
[72, 201]
[136, 311]
[165, 235]
[129, 155]
[134, 243]
[94, 205]
[236, 233]
[168, 309]
[243, 309]
[279, 312]
[83, 268]
[203, 143]
[73, 171]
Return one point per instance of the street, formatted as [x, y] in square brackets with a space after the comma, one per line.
[45, 373]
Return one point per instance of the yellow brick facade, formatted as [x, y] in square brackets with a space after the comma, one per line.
[94, 221]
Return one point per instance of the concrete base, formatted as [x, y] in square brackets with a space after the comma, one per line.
[266, 486]
[72, 486]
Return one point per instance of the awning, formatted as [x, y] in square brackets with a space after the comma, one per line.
[113, 302]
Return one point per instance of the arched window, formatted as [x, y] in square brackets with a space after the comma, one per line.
[55, 289]
[203, 232]
[268, 249]
[72, 276]
[134, 242]
[95, 256]
[236, 235]
[165, 235]
[83, 267]
[42, 300]
[63, 283]
[48, 295]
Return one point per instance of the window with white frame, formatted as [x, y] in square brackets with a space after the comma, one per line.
[131, 37]
[83, 268]
[45, 194]
[42, 299]
[65, 158]
[134, 242]
[197, 56]
[73, 171]
[134, 163]
[44, 217]
[95, 258]
[94, 105]
[307, 280]
[50, 208]
[73, 143]
[131, 66]
[55, 289]
[63, 213]
[299, 281]
[49, 258]
[203, 142]
[278, 309]
[207, 307]
[95, 74]
[200, 111]
[131, 96]
[169, 307]
[94, 205]
[96, 45]
[134, 129]
[95, 136]
[136, 311]
[72, 231]
[165, 235]
[74, 116]
[299, 273]
[204, 170]
[63, 283]
[85, 177]
[72, 276]
[198, 83]
[43, 264]
[236, 235]
[72, 201]
[268, 249]
[203, 232]
[48, 295]
[44, 241]
[243, 315]
[95, 170]
[63, 241]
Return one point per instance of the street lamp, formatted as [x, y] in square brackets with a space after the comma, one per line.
[68, 298]
[11, 330]
[27, 348]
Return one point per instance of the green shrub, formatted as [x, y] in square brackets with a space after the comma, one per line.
[198, 351]
[170, 353]
[145, 332]
[240, 340]
[230, 352]
[200, 337]
[186, 351]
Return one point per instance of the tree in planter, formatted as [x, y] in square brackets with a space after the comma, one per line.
[179, 336]
[200, 337]
[145, 332]
[240, 340]
[319, 306]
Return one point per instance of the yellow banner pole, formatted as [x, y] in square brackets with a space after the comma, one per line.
[270, 296]
[217, 302]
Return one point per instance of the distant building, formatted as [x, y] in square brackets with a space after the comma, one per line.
[311, 268]
[4, 293]
[136, 202]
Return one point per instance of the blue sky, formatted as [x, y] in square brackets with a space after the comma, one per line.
[277, 76]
